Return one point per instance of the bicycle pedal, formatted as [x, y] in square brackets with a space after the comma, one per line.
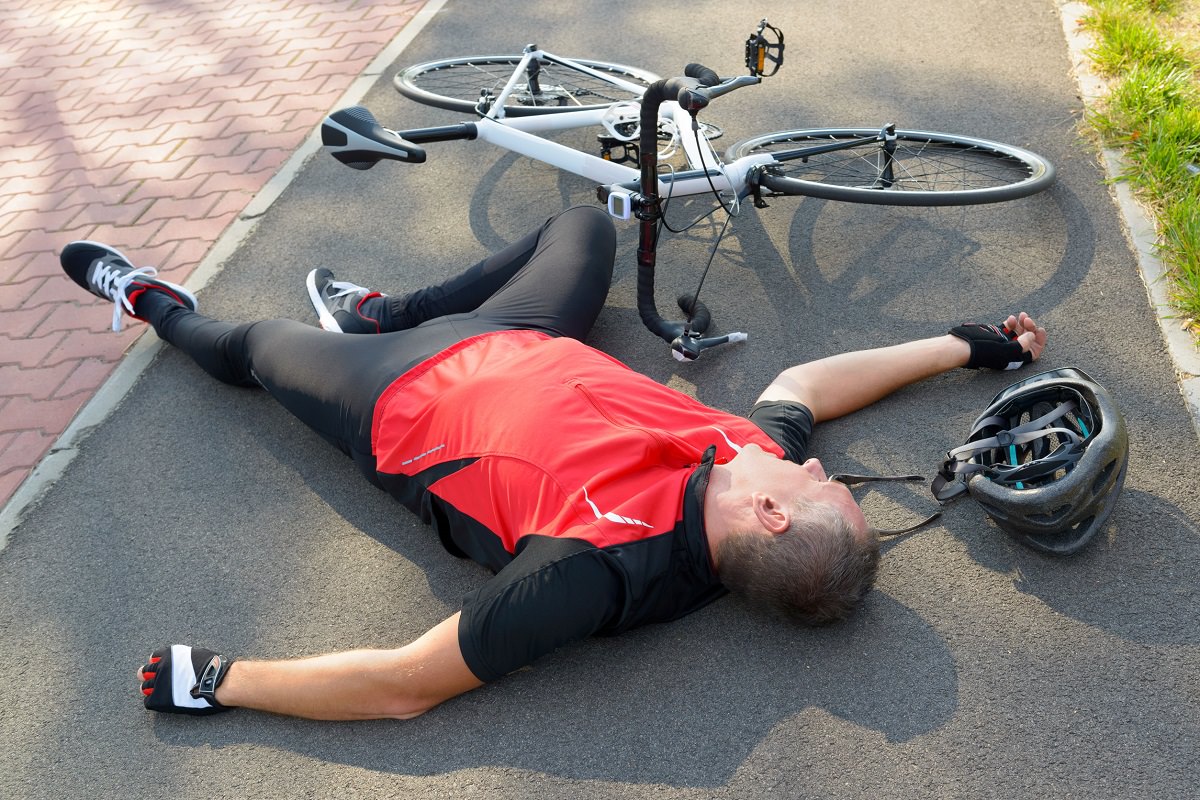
[618, 152]
[764, 50]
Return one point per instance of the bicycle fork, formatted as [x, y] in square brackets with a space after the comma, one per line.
[887, 176]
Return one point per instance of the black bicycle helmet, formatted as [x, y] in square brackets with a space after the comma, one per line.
[1046, 460]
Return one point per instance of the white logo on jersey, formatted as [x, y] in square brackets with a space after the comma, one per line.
[735, 447]
[612, 516]
[430, 451]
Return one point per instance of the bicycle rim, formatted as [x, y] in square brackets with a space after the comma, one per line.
[457, 84]
[927, 168]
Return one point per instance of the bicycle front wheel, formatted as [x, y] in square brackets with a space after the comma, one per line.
[924, 169]
[457, 84]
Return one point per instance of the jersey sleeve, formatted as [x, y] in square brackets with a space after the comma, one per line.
[789, 423]
[556, 591]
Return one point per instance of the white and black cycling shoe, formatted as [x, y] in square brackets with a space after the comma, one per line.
[106, 272]
[339, 304]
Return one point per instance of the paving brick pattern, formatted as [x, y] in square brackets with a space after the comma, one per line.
[148, 125]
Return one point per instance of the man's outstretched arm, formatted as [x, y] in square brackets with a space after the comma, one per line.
[835, 386]
[358, 684]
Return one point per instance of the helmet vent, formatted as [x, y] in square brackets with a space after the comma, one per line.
[993, 511]
[1102, 479]
[1083, 524]
[1051, 517]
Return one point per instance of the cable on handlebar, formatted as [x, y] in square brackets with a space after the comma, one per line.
[667, 203]
[695, 300]
[737, 203]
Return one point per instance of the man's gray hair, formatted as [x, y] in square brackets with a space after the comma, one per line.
[816, 572]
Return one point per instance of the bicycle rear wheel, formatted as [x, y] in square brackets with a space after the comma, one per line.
[457, 83]
[926, 169]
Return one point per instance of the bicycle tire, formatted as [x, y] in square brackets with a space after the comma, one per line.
[457, 83]
[931, 169]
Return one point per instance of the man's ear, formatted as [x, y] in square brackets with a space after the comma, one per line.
[770, 513]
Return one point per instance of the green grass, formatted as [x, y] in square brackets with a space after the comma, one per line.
[1149, 50]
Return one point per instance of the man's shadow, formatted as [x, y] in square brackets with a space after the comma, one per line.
[683, 704]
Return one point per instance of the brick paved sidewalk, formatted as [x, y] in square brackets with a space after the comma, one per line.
[148, 125]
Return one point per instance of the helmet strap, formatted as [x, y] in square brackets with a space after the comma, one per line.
[855, 480]
[951, 480]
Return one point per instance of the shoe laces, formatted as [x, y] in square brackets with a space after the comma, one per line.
[336, 289]
[114, 282]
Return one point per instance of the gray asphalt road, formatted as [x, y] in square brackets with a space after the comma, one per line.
[203, 514]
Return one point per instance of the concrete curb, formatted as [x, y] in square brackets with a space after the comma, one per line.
[142, 353]
[1138, 227]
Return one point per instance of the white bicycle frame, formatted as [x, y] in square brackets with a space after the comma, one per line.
[518, 134]
[357, 139]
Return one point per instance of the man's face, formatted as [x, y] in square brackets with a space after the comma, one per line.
[788, 481]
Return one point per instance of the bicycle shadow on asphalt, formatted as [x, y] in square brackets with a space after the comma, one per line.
[901, 266]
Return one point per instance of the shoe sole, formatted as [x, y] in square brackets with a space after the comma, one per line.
[314, 295]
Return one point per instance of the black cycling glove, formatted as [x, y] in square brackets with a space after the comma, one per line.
[184, 680]
[992, 346]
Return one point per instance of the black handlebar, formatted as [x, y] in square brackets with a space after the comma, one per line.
[702, 73]
[685, 338]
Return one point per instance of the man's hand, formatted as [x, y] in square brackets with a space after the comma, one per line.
[1011, 345]
[184, 680]
[1031, 337]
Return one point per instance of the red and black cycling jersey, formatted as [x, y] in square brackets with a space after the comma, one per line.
[579, 481]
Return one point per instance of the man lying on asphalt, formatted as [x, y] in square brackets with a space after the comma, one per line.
[601, 499]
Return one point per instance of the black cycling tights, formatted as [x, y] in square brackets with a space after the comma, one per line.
[553, 280]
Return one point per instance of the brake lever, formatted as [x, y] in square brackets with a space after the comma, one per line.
[688, 347]
[727, 86]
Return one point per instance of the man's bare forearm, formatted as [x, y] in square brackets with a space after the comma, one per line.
[835, 386]
[358, 684]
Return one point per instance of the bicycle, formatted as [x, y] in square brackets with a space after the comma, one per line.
[517, 97]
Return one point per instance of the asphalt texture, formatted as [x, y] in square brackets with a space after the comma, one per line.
[204, 514]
